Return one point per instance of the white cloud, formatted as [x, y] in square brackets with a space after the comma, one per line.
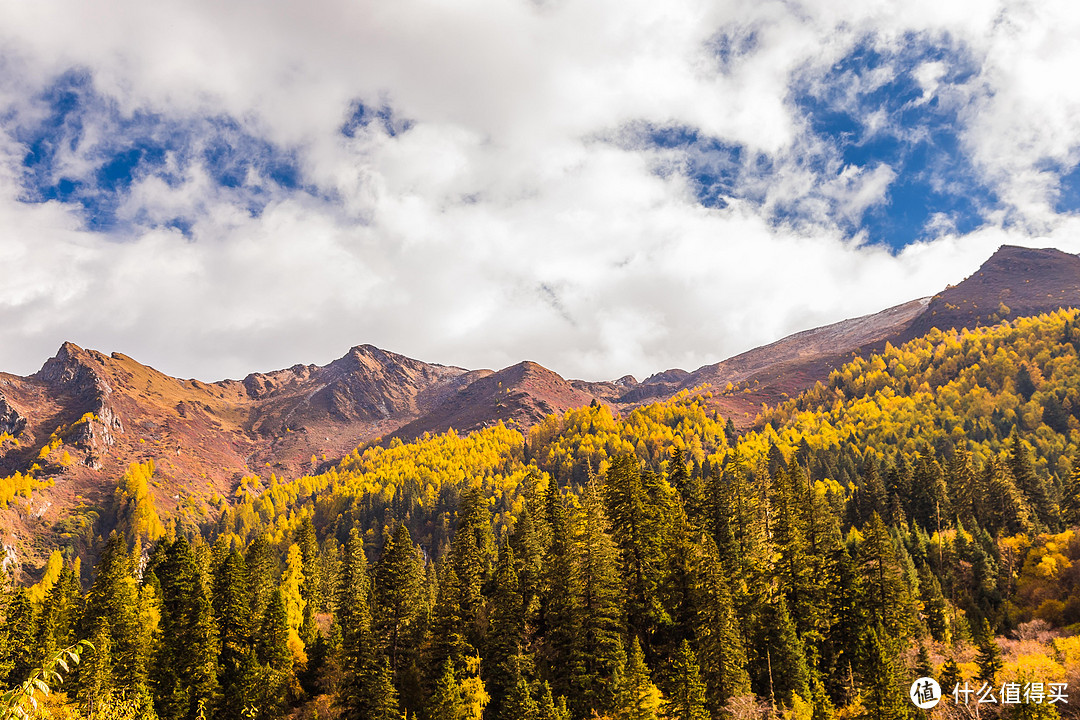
[499, 227]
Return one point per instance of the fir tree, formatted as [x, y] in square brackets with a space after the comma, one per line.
[638, 698]
[989, 658]
[519, 703]
[233, 614]
[397, 594]
[445, 702]
[600, 609]
[687, 698]
[883, 695]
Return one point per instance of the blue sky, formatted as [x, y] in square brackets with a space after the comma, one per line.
[602, 187]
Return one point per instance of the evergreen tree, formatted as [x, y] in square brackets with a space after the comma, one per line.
[312, 590]
[19, 629]
[634, 502]
[445, 702]
[397, 595]
[887, 594]
[884, 694]
[1029, 483]
[638, 698]
[519, 703]
[113, 601]
[600, 609]
[719, 639]
[185, 676]
[548, 709]
[560, 615]
[687, 699]
[504, 658]
[1070, 496]
[989, 658]
[233, 614]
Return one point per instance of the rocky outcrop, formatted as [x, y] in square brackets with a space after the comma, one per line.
[11, 421]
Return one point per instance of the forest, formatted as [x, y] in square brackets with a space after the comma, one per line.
[918, 514]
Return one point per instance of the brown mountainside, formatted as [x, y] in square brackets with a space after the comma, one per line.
[85, 416]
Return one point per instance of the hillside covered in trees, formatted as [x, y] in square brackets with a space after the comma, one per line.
[915, 514]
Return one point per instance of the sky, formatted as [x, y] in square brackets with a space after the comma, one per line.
[601, 186]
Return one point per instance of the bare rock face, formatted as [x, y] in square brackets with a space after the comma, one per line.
[11, 422]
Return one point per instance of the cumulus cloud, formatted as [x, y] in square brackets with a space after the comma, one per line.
[603, 187]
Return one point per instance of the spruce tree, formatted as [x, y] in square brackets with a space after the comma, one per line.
[687, 698]
[887, 595]
[19, 629]
[634, 500]
[989, 658]
[1070, 496]
[560, 609]
[397, 595]
[503, 657]
[721, 649]
[185, 676]
[638, 698]
[232, 612]
[113, 601]
[519, 704]
[445, 702]
[884, 694]
[548, 708]
[1030, 483]
[600, 609]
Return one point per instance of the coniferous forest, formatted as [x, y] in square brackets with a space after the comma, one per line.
[915, 515]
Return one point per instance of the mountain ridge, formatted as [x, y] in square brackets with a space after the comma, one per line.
[85, 416]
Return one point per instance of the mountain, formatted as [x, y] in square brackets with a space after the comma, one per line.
[83, 418]
[1014, 282]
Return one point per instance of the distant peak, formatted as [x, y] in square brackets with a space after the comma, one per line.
[68, 349]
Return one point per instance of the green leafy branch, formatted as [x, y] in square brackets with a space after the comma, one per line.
[12, 705]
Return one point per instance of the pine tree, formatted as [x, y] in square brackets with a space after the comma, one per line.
[989, 658]
[232, 612]
[600, 609]
[687, 700]
[185, 676]
[113, 601]
[719, 640]
[883, 694]
[638, 698]
[445, 702]
[548, 709]
[397, 595]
